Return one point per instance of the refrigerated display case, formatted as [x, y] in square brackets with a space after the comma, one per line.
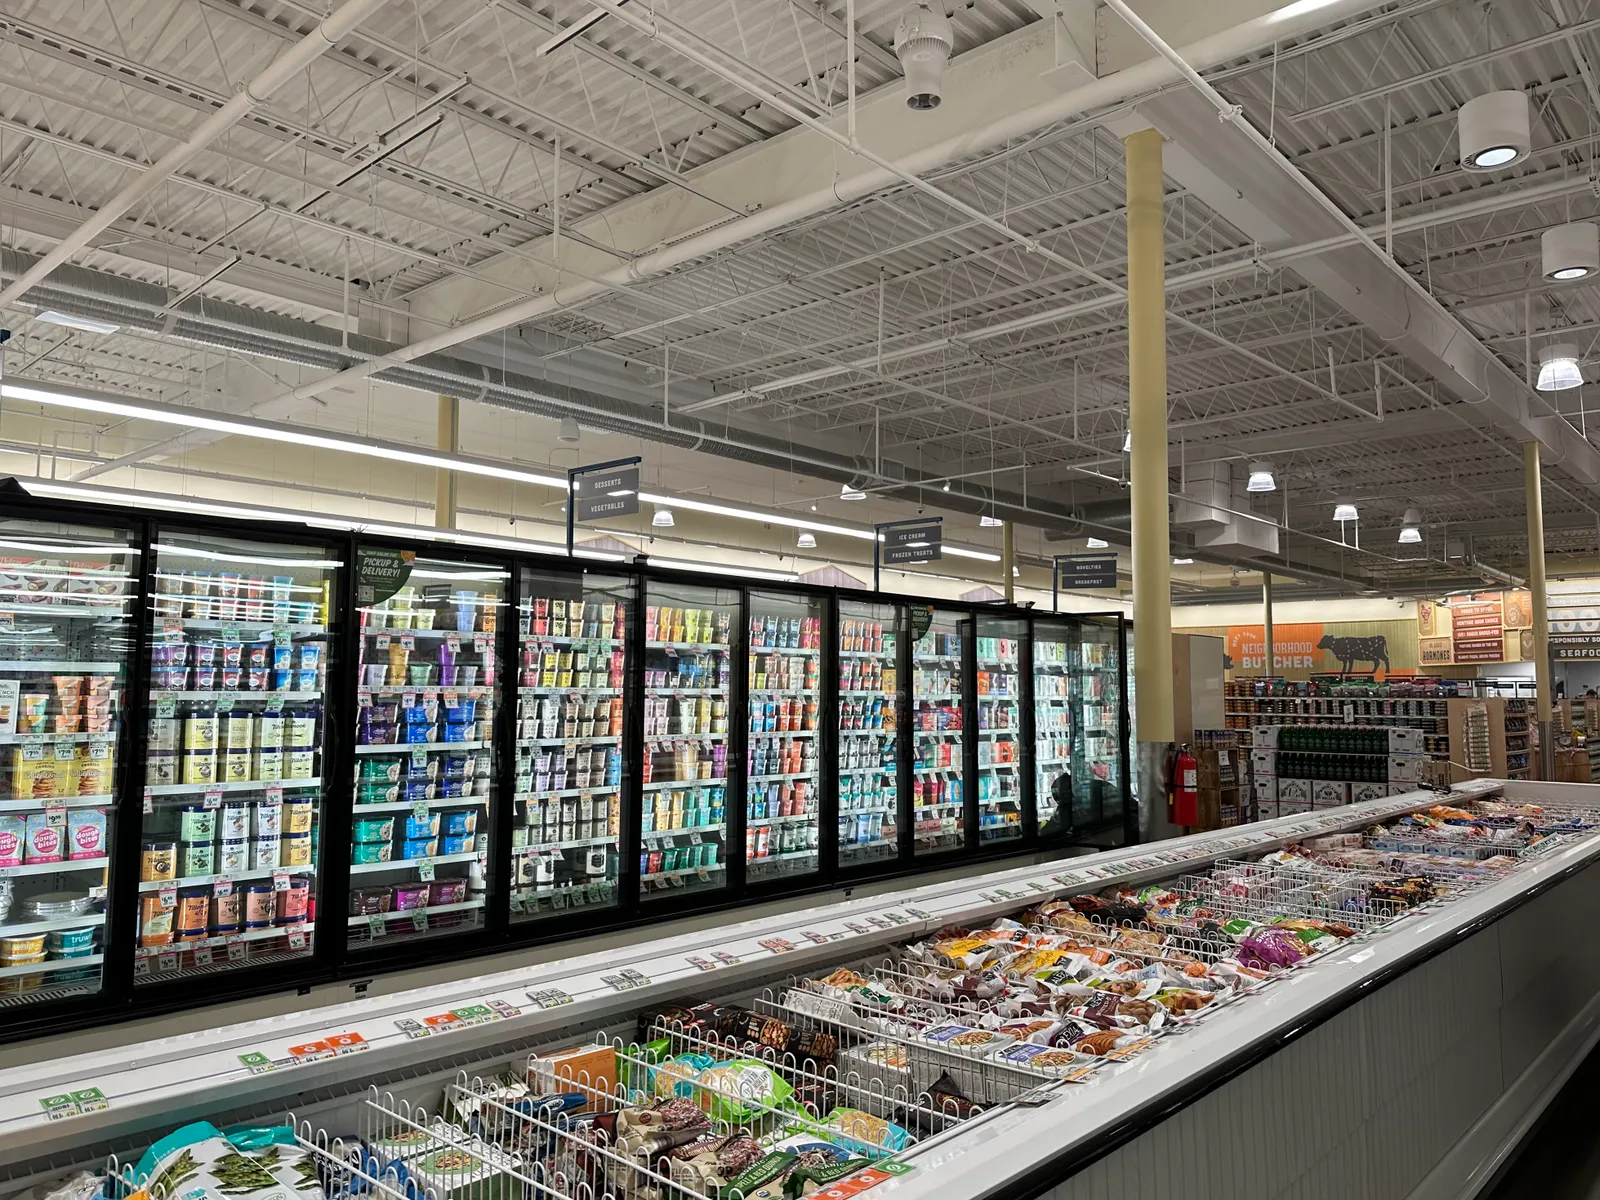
[1052, 724]
[998, 699]
[783, 779]
[428, 697]
[688, 675]
[241, 632]
[938, 762]
[66, 614]
[870, 637]
[911, 1043]
[571, 771]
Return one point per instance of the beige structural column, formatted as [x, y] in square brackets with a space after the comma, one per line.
[1147, 426]
[445, 481]
[1541, 615]
[1008, 560]
[1266, 618]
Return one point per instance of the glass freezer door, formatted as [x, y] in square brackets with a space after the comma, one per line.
[1052, 725]
[572, 673]
[688, 677]
[1098, 769]
[783, 786]
[236, 745]
[938, 764]
[999, 703]
[428, 699]
[65, 610]
[869, 769]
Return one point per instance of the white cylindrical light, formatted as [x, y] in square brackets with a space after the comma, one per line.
[1411, 526]
[663, 519]
[1493, 131]
[569, 431]
[1571, 251]
[1558, 368]
[849, 491]
[1261, 479]
[1345, 511]
[806, 540]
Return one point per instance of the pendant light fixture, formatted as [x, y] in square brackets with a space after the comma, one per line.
[663, 519]
[990, 521]
[1095, 543]
[570, 433]
[1344, 511]
[1261, 479]
[1411, 527]
[1494, 131]
[1570, 251]
[806, 540]
[850, 491]
[1558, 368]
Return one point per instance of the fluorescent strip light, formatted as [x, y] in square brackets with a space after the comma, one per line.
[988, 522]
[254, 560]
[1183, 562]
[147, 500]
[1095, 543]
[724, 569]
[980, 555]
[274, 431]
[69, 321]
[750, 514]
[1127, 442]
[577, 29]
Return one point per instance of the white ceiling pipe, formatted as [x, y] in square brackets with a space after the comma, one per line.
[1291, 21]
[245, 101]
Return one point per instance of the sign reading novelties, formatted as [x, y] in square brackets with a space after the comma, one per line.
[1086, 572]
[602, 495]
[913, 543]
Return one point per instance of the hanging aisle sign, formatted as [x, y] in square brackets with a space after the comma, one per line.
[913, 544]
[606, 494]
[1084, 572]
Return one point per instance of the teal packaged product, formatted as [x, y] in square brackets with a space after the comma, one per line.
[363, 854]
[374, 829]
[381, 770]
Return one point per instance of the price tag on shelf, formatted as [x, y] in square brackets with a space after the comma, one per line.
[419, 920]
[694, 839]
[419, 809]
[625, 980]
[230, 633]
[65, 751]
[166, 962]
[776, 945]
[811, 935]
[878, 922]
[297, 940]
[238, 951]
[213, 799]
[97, 892]
[480, 644]
[454, 643]
[280, 882]
[425, 872]
[1349, 713]
[703, 874]
[172, 629]
[141, 966]
[167, 898]
[202, 956]
[223, 887]
[550, 998]
[856, 927]
[700, 964]
[227, 699]
[419, 757]
[280, 634]
[921, 914]
[274, 795]
[408, 699]
[375, 927]
[896, 918]
[33, 749]
[408, 641]
[166, 705]
[380, 641]
[274, 703]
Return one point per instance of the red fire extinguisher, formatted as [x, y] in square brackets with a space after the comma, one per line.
[1185, 804]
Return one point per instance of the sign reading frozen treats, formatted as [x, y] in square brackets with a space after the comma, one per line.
[381, 572]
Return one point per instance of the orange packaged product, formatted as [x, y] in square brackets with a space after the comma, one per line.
[589, 1069]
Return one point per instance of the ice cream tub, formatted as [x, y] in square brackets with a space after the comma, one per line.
[158, 861]
[21, 960]
[199, 766]
[156, 923]
[295, 850]
[268, 818]
[370, 902]
[264, 853]
[233, 856]
[197, 823]
[381, 770]
[12, 947]
[300, 764]
[200, 731]
[297, 816]
[225, 911]
[422, 827]
[161, 767]
[420, 848]
[194, 913]
[374, 829]
[459, 822]
[456, 845]
[260, 906]
[294, 904]
[447, 891]
[233, 821]
[408, 896]
[371, 852]
[197, 858]
[71, 943]
[377, 793]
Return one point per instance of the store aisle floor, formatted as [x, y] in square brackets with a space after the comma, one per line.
[1561, 1160]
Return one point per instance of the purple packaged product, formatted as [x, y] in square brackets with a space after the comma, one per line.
[203, 654]
[447, 662]
[375, 733]
[205, 679]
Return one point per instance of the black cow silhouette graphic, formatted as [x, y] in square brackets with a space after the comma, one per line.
[1351, 650]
